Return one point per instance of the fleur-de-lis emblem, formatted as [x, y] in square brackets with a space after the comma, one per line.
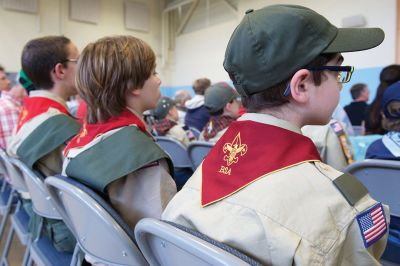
[83, 134]
[234, 149]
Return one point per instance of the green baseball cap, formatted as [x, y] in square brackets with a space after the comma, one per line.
[25, 81]
[218, 95]
[162, 108]
[272, 43]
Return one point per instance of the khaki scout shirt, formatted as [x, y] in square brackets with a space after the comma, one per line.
[295, 216]
[328, 145]
[140, 194]
[51, 163]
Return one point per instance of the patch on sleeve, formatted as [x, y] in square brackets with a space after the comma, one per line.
[372, 224]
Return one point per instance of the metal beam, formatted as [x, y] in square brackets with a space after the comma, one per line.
[176, 5]
[231, 6]
[188, 15]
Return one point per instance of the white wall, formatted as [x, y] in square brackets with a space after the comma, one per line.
[17, 28]
[200, 53]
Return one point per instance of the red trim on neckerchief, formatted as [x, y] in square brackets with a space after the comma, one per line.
[34, 106]
[248, 151]
[89, 132]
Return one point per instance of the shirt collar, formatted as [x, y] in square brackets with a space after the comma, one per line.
[270, 120]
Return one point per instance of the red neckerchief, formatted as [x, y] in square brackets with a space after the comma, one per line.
[248, 151]
[216, 124]
[89, 132]
[163, 126]
[34, 106]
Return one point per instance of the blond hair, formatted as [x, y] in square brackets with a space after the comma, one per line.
[107, 70]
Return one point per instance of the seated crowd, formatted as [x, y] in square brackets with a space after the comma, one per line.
[272, 186]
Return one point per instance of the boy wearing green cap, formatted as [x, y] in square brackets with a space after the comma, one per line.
[222, 102]
[166, 122]
[262, 189]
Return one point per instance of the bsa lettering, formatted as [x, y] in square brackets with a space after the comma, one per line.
[225, 170]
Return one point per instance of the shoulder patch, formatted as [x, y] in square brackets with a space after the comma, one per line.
[372, 223]
[351, 188]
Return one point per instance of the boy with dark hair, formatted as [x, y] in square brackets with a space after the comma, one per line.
[196, 114]
[113, 153]
[45, 124]
[4, 81]
[222, 102]
[262, 188]
[356, 109]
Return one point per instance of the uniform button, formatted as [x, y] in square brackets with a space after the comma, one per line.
[249, 11]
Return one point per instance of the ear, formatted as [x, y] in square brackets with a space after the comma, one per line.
[58, 71]
[135, 92]
[300, 85]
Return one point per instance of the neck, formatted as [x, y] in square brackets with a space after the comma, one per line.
[287, 113]
[60, 92]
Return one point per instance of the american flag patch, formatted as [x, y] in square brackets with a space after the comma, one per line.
[337, 127]
[372, 224]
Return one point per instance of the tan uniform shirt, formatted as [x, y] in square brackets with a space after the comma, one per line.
[328, 145]
[51, 163]
[295, 216]
[177, 132]
[140, 194]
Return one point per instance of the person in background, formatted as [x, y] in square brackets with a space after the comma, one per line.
[262, 188]
[356, 109]
[181, 97]
[196, 114]
[10, 109]
[5, 83]
[167, 122]
[223, 103]
[113, 153]
[388, 147]
[45, 124]
[373, 117]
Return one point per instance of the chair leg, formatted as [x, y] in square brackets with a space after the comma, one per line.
[25, 260]
[6, 213]
[7, 246]
[77, 257]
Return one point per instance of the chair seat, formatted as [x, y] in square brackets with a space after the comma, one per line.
[44, 253]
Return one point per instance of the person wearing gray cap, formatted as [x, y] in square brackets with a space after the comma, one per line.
[221, 100]
[262, 188]
[166, 122]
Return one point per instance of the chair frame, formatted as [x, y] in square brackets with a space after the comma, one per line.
[195, 145]
[177, 160]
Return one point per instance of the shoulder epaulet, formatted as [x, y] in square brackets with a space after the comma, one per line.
[351, 189]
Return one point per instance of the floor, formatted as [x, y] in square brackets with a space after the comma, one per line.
[17, 249]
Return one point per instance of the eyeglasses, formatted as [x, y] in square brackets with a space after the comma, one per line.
[344, 72]
[69, 60]
[343, 76]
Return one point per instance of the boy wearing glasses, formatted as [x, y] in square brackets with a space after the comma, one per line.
[45, 124]
[263, 189]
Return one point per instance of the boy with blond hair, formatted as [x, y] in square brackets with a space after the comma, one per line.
[262, 188]
[113, 153]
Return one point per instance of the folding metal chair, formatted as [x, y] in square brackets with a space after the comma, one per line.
[19, 219]
[42, 251]
[176, 151]
[197, 150]
[382, 179]
[100, 231]
[169, 244]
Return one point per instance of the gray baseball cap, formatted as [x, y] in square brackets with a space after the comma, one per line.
[272, 43]
[218, 95]
[162, 108]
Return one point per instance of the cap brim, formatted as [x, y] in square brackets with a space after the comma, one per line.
[355, 39]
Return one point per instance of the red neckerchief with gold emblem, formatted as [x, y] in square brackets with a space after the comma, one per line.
[89, 132]
[248, 151]
[34, 106]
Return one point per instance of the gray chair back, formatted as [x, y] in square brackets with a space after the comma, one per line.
[99, 230]
[197, 150]
[176, 151]
[14, 173]
[381, 178]
[169, 244]
[41, 200]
